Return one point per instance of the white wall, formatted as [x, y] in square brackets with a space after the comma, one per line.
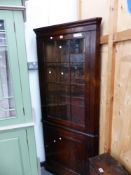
[42, 13]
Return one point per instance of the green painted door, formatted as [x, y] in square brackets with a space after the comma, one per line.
[14, 155]
[13, 88]
[17, 146]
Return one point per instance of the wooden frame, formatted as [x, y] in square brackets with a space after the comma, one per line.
[118, 37]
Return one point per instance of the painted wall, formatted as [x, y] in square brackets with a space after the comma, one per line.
[42, 13]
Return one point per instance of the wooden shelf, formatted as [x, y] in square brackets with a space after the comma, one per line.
[66, 83]
[64, 62]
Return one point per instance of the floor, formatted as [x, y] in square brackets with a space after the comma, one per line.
[44, 172]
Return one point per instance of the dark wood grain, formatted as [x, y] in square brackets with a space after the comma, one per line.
[68, 149]
[108, 164]
[71, 129]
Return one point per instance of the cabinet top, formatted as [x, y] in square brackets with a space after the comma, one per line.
[91, 24]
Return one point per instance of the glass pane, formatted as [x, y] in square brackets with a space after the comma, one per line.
[64, 74]
[50, 50]
[57, 51]
[57, 72]
[52, 72]
[51, 104]
[2, 39]
[77, 50]
[77, 68]
[2, 25]
[65, 77]
[63, 50]
[58, 101]
[77, 104]
[7, 104]
[77, 72]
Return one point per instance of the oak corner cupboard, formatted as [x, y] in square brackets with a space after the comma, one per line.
[69, 76]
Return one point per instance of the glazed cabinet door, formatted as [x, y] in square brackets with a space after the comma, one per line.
[65, 70]
[12, 110]
[69, 71]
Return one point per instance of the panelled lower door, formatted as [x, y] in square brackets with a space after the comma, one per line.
[14, 155]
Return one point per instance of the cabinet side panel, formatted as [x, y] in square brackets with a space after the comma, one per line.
[94, 64]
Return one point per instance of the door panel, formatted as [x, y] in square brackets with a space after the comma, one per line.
[65, 80]
[14, 159]
[11, 103]
[66, 150]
